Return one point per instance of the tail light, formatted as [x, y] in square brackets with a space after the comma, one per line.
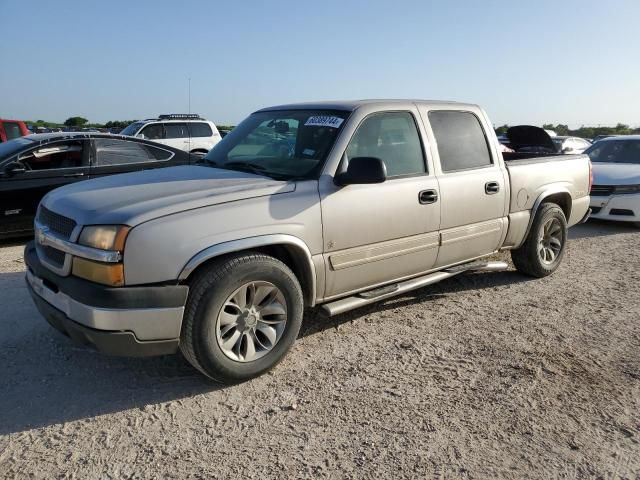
[590, 176]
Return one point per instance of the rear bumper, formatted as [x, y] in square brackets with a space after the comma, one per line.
[129, 321]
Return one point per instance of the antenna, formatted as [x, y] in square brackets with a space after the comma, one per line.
[189, 94]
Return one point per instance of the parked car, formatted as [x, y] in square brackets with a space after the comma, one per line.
[334, 204]
[527, 139]
[597, 138]
[32, 166]
[10, 129]
[188, 132]
[570, 144]
[615, 194]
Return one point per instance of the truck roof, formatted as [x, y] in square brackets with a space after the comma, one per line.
[351, 105]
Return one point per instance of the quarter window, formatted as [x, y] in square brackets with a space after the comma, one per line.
[200, 129]
[117, 152]
[393, 138]
[461, 142]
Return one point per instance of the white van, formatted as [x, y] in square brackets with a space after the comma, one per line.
[188, 132]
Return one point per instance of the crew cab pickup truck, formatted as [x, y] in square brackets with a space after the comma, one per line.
[335, 205]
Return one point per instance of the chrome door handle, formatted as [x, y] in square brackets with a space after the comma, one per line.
[426, 197]
[491, 188]
[77, 174]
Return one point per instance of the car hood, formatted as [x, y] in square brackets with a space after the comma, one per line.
[522, 136]
[133, 198]
[616, 173]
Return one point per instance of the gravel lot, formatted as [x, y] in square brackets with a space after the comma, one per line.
[482, 376]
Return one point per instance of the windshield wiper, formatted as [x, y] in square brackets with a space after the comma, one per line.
[247, 167]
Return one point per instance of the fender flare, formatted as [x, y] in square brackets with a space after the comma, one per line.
[536, 207]
[254, 242]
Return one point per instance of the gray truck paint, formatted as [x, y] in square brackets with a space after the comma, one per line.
[185, 216]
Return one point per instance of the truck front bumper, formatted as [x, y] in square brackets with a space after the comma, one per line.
[126, 321]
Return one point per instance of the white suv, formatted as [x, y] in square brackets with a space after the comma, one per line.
[187, 132]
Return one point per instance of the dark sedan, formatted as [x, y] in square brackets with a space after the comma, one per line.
[32, 166]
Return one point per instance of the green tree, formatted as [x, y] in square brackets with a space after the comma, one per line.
[75, 121]
[502, 130]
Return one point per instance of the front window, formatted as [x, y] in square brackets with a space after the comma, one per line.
[615, 151]
[283, 144]
[132, 129]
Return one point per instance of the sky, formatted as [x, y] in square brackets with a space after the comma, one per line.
[573, 62]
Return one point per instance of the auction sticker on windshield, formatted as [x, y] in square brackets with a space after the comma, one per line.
[323, 121]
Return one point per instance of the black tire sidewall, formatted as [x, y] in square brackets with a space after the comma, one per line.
[210, 355]
[549, 212]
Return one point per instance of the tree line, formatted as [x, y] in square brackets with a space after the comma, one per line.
[582, 132]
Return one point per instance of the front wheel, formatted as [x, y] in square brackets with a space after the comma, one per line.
[542, 251]
[242, 316]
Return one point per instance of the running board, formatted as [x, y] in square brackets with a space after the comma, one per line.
[371, 296]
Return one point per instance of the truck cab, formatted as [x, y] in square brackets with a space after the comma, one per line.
[331, 204]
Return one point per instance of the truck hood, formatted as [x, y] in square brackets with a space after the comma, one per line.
[133, 198]
[616, 173]
[522, 136]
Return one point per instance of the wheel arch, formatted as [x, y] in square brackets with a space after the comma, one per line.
[290, 250]
[560, 196]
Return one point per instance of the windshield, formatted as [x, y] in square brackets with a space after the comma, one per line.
[615, 151]
[131, 129]
[12, 146]
[282, 144]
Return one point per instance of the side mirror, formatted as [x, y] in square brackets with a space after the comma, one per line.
[14, 167]
[140, 135]
[362, 170]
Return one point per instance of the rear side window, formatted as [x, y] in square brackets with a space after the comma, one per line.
[199, 129]
[176, 130]
[117, 152]
[461, 142]
[12, 130]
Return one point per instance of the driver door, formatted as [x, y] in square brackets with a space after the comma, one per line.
[44, 168]
[379, 233]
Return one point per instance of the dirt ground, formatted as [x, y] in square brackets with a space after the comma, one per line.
[482, 376]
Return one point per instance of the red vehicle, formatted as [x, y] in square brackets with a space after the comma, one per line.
[10, 129]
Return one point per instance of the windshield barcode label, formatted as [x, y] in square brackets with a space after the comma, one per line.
[320, 121]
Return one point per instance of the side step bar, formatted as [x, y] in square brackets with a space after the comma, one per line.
[371, 296]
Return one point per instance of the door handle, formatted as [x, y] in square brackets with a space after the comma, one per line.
[428, 196]
[491, 188]
[77, 174]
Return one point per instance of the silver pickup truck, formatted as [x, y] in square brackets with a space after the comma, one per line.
[334, 204]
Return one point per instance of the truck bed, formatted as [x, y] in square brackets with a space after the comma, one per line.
[561, 173]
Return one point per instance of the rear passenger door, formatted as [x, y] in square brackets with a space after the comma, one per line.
[176, 135]
[111, 156]
[473, 186]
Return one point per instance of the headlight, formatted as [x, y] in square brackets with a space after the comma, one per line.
[104, 237]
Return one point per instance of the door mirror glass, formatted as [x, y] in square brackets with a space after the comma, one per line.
[363, 170]
[13, 168]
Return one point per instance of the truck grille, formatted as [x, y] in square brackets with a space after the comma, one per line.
[57, 223]
[602, 190]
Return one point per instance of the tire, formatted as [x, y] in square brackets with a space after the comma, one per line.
[216, 295]
[540, 255]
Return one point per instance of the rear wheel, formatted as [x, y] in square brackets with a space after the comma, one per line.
[242, 316]
[541, 253]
